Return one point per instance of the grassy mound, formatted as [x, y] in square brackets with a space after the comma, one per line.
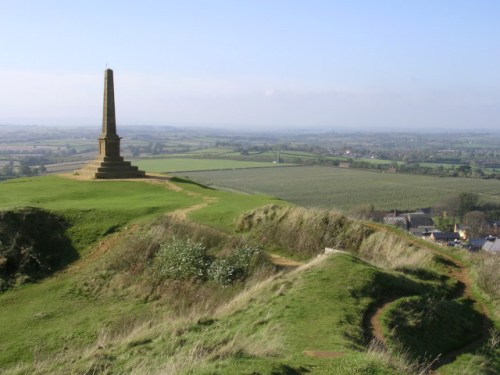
[429, 327]
[266, 327]
[307, 232]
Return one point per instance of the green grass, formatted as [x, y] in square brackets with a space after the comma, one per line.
[268, 329]
[92, 208]
[330, 187]
[97, 317]
[36, 318]
[59, 193]
[185, 164]
[227, 207]
[293, 304]
[40, 319]
[416, 321]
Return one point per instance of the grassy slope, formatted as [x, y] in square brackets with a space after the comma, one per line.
[267, 331]
[33, 323]
[304, 315]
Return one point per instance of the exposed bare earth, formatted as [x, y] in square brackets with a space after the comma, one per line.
[284, 262]
[458, 271]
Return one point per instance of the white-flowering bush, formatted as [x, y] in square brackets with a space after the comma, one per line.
[186, 259]
[181, 259]
[236, 266]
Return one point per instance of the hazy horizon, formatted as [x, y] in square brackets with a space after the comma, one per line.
[363, 65]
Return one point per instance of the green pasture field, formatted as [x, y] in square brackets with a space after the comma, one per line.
[271, 155]
[435, 165]
[330, 187]
[212, 151]
[186, 164]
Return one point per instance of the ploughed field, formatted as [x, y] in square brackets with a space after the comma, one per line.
[331, 187]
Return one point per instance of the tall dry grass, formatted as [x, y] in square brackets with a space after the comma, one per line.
[164, 344]
[389, 251]
[399, 360]
[302, 231]
[308, 231]
[485, 268]
[128, 268]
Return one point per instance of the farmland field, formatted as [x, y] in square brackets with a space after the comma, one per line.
[186, 164]
[330, 187]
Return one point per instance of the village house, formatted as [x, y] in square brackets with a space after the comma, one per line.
[444, 237]
[423, 231]
[492, 245]
[418, 223]
[422, 218]
[397, 221]
[476, 244]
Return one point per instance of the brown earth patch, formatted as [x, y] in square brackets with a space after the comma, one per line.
[284, 262]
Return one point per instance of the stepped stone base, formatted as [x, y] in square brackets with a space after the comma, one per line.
[111, 167]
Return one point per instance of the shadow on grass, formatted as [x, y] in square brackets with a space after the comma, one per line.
[288, 370]
[33, 245]
[186, 181]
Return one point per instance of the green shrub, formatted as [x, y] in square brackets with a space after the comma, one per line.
[236, 266]
[181, 260]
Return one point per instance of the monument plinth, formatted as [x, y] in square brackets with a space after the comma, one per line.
[109, 163]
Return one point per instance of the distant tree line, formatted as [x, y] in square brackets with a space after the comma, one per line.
[24, 169]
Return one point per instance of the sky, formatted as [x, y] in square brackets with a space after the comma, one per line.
[253, 64]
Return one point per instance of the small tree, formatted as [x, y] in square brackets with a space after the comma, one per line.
[476, 221]
[466, 202]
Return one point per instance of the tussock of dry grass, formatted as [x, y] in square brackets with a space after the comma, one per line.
[129, 270]
[303, 231]
[389, 251]
[400, 361]
[171, 354]
[486, 273]
[242, 299]
[308, 231]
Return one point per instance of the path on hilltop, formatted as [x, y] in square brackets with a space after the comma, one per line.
[104, 244]
[459, 272]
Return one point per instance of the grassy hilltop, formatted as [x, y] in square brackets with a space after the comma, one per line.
[167, 276]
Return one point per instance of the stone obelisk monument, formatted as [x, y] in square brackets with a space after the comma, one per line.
[109, 163]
